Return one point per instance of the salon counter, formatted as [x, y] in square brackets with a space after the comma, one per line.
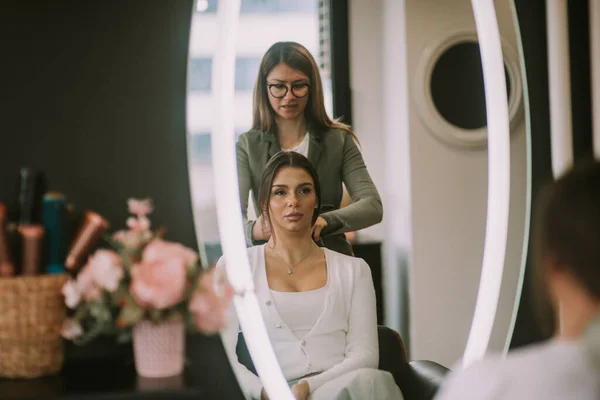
[105, 371]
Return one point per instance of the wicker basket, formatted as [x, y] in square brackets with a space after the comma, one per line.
[32, 310]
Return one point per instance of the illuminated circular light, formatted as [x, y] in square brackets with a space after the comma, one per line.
[228, 206]
[494, 252]
[201, 5]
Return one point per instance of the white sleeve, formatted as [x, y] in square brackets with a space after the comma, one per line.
[362, 347]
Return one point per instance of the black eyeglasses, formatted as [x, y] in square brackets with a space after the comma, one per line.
[279, 90]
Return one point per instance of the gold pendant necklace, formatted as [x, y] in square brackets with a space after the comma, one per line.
[290, 270]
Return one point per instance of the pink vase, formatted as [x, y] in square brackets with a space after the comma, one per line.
[159, 348]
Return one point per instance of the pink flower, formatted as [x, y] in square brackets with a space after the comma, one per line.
[159, 249]
[209, 303]
[85, 284]
[139, 224]
[102, 271]
[71, 329]
[71, 293]
[158, 284]
[106, 269]
[140, 207]
[128, 238]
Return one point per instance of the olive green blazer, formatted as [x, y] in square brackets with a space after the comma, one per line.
[337, 160]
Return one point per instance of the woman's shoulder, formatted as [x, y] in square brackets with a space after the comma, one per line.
[547, 365]
[335, 134]
[346, 264]
[248, 138]
[339, 138]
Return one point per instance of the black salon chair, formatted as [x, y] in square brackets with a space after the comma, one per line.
[418, 380]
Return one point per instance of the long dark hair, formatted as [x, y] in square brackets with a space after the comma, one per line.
[299, 58]
[285, 159]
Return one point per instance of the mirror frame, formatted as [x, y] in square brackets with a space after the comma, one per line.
[227, 196]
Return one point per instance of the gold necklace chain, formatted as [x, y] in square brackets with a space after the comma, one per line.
[290, 270]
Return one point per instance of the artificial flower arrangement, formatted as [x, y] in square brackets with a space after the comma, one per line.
[143, 278]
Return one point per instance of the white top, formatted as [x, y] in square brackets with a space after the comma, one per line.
[551, 371]
[302, 147]
[300, 310]
[343, 339]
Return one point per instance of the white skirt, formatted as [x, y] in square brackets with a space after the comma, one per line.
[361, 384]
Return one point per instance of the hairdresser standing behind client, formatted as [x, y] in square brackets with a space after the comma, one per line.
[289, 114]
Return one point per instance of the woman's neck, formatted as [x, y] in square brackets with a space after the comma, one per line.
[292, 248]
[574, 315]
[290, 132]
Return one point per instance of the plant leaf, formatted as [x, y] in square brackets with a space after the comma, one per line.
[131, 313]
[156, 315]
[124, 336]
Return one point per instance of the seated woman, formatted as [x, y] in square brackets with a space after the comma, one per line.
[318, 305]
[567, 278]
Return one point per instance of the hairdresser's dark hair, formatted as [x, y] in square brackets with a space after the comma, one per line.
[285, 159]
[567, 230]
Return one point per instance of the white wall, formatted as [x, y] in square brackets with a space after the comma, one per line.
[441, 234]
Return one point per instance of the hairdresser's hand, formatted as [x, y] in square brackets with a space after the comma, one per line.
[261, 230]
[301, 390]
[320, 223]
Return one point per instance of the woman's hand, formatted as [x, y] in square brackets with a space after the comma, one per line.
[320, 223]
[301, 390]
[261, 231]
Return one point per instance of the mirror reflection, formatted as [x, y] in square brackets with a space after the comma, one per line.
[285, 85]
[289, 114]
[458, 68]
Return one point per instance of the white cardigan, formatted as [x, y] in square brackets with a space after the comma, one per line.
[343, 339]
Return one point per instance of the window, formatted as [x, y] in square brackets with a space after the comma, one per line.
[246, 71]
[262, 6]
[271, 6]
[206, 6]
[200, 75]
[261, 23]
[199, 144]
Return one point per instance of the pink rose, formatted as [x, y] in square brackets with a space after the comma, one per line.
[106, 268]
[158, 284]
[140, 207]
[71, 293]
[159, 249]
[130, 239]
[71, 329]
[138, 224]
[209, 303]
[103, 271]
[85, 284]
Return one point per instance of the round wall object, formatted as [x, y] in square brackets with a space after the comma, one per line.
[449, 93]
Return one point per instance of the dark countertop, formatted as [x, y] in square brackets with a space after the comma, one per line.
[104, 370]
